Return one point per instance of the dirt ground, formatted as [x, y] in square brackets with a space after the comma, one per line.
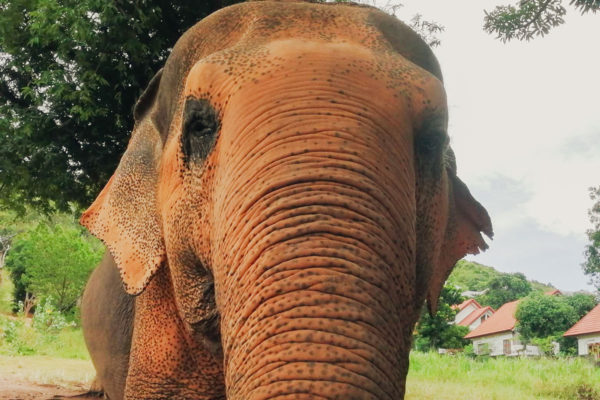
[39, 377]
[23, 390]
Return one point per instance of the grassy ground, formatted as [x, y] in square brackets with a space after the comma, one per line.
[18, 338]
[60, 358]
[6, 289]
[432, 376]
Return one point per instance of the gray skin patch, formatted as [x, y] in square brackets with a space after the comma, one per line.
[200, 128]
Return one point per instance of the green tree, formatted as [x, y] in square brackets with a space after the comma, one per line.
[70, 73]
[540, 316]
[582, 303]
[53, 260]
[531, 18]
[505, 288]
[591, 266]
[438, 331]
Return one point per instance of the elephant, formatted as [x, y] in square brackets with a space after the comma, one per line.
[286, 205]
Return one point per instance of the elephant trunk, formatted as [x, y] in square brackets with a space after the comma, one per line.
[317, 291]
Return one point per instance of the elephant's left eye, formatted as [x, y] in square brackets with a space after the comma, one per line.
[199, 131]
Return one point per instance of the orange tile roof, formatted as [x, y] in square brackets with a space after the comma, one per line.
[465, 303]
[554, 292]
[503, 320]
[590, 323]
[469, 319]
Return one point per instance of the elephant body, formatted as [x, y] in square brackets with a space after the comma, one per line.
[287, 202]
[107, 320]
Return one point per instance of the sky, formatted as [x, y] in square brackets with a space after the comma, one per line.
[525, 127]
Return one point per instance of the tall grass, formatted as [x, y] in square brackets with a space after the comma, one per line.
[6, 292]
[432, 376]
[19, 338]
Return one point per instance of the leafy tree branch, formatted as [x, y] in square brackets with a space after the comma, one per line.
[532, 18]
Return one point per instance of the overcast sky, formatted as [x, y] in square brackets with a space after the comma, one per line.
[525, 127]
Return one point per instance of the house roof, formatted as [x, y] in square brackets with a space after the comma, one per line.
[554, 292]
[503, 320]
[466, 303]
[590, 323]
[469, 319]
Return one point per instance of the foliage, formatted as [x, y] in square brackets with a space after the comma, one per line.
[505, 288]
[591, 266]
[441, 377]
[48, 318]
[540, 316]
[546, 345]
[70, 73]
[543, 319]
[19, 337]
[531, 18]
[428, 30]
[53, 260]
[582, 303]
[437, 331]
[6, 292]
[469, 275]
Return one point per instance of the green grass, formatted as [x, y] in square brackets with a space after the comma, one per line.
[432, 376]
[17, 337]
[6, 289]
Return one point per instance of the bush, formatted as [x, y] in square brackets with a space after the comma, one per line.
[53, 259]
[47, 318]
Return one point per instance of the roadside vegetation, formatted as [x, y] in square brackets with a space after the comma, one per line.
[433, 376]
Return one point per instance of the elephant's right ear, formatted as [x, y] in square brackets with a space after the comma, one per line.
[125, 214]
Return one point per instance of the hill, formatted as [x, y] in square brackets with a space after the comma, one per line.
[468, 275]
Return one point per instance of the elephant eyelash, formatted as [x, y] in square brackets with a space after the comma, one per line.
[199, 131]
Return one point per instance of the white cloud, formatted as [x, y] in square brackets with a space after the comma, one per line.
[525, 126]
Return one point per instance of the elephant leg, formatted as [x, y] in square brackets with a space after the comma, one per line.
[107, 314]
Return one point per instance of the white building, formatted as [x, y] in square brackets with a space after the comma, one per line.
[477, 317]
[465, 309]
[587, 332]
[496, 335]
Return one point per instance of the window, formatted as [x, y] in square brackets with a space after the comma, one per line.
[480, 348]
[506, 346]
[594, 350]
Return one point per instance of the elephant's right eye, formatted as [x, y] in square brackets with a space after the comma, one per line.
[199, 131]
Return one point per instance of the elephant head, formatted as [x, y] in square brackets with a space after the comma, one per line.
[287, 202]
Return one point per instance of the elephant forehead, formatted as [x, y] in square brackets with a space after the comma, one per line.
[274, 72]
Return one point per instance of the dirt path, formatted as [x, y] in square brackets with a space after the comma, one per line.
[38, 377]
[22, 390]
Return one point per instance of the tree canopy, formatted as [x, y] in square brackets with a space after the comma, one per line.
[543, 319]
[591, 266]
[541, 316]
[53, 260]
[439, 330]
[70, 73]
[505, 288]
[531, 18]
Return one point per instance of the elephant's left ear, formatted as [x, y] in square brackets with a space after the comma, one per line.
[125, 214]
[467, 220]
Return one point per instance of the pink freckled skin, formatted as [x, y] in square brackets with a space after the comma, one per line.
[287, 203]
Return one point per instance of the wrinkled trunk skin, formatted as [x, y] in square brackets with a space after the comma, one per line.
[314, 267]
